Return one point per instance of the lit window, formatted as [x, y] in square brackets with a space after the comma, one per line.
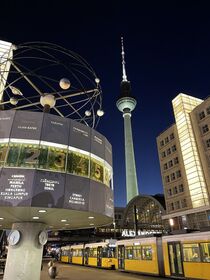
[205, 128]
[191, 252]
[201, 115]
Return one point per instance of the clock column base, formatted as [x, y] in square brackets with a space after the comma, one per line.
[25, 258]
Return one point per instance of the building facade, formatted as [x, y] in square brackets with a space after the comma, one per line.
[184, 156]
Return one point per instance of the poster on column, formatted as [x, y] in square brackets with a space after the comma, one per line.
[77, 193]
[48, 189]
[27, 125]
[55, 129]
[16, 187]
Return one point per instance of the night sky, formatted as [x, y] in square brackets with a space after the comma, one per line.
[167, 46]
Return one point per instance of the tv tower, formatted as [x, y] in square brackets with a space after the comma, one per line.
[126, 103]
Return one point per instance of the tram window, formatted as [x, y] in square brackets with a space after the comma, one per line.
[205, 252]
[191, 252]
[93, 253]
[137, 252]
[129, 253]
[104, 252]
[111, 253]
[146, 252]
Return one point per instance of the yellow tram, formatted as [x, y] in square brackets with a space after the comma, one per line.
[102, 254]
[142, 255]
[65, 254]
[185, 256]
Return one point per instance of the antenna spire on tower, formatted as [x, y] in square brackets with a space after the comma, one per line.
[124, 77]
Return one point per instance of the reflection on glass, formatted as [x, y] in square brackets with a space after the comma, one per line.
[29, 156]
[3, 153]
[78, 164]
[179, 260]
[171, 257]
[96, 170]
[13, 154]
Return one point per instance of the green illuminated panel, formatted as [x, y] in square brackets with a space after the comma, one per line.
[3, 153]
[78, 164]
[96, 170]
[13, 154]
[29, 156]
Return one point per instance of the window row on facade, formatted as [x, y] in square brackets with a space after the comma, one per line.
[177, 205]
[57, 159]
[175, 190]
[170, 163]
[173, 176]
[167, 140]
[169, 151]
[204, 113]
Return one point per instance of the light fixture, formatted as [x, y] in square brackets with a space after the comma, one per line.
[66, 224]
[90, 217]
[1, 218]
[91, 224]
[35, 218]
[97, 80]
[42, 211]
[87, 113]
[63, 221]
[100, 112]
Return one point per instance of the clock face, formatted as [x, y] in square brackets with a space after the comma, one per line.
[43, 237]
[14, 237]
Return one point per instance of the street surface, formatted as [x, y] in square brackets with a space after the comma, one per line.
[76, 272]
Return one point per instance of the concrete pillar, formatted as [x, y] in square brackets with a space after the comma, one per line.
[24, 259]
[131, 178]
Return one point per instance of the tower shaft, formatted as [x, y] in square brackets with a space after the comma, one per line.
[130, 165]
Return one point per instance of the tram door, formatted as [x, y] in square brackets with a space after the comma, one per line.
[99, 256]
[86, 255]
[175, 258]
[121, 257]
[70, 255]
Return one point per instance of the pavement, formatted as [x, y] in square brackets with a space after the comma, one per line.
[76, 272]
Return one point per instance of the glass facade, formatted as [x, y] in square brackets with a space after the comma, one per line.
[183, 105]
